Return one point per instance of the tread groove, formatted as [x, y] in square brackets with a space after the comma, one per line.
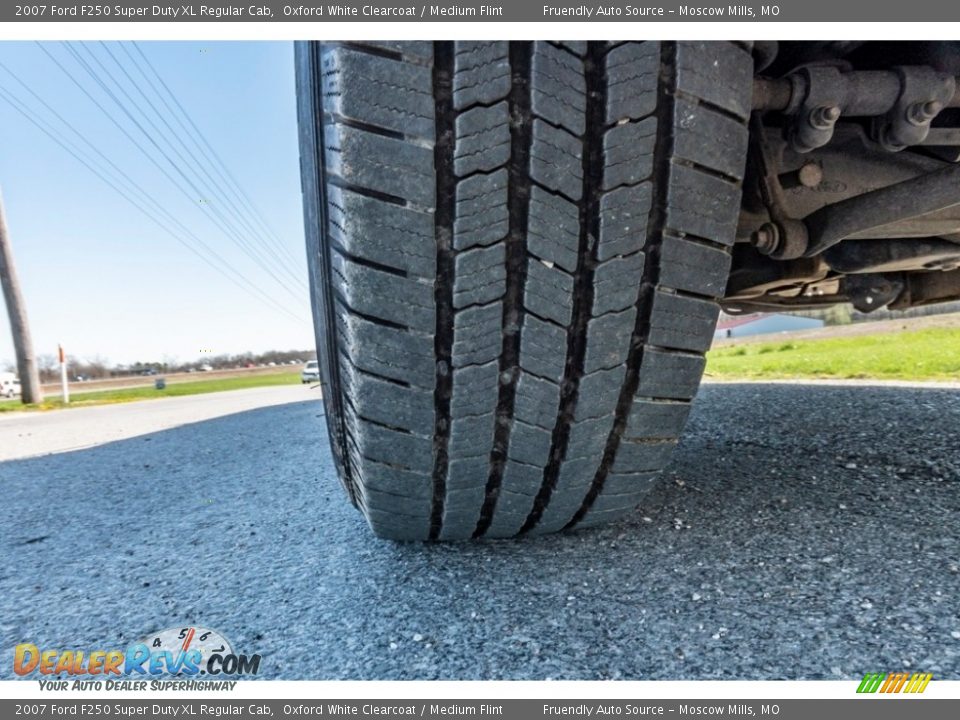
[589, 221]
[651, 272]
[445, 214]
[519, 183]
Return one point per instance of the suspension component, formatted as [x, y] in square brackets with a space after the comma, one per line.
[903, 101]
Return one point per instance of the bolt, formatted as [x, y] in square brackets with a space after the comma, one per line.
[810, 175]
[766, 238]
[923, 112]
[824, 118]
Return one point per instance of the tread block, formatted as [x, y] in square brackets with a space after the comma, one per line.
[414, 49]
[482, 139]
[385, 233]
[553, 229]
[523, 482]
[719, 72]
[395, 167]
[474, 390]
[623, 502]
[543, 348]
[594, 518]
[530, 445]
[477, 334]
[411, 452]
[628, 153]
[616, 283]
[682, 322]
[632, 72]
[706, 137]
[598, 393]
[588, 439]
[642, 456]
[482, 214]
[608, 340]
[472, 436]
[394, 526]
[481, 73]
[624, 213]
[548, 292]
[404, 300]
[702, 204]
[558, 87]
[536, 402]
[480, 275]
[461, 511]
[391, 94]
[374, 499]
[628, 483]
[468, 472]
[394, 481]
[661, 419]
[694, 267]
[556, 160]
[409, 408]
[577, 47]
[671, 375]
[393, 353]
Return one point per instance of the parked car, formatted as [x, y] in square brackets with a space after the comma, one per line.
[9, 385]
[311, 372]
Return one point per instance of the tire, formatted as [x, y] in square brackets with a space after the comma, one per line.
[515, 251]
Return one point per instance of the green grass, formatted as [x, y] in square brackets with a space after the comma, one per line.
[932, 354]
[121, 395]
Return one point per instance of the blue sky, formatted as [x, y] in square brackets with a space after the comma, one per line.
[97, 274]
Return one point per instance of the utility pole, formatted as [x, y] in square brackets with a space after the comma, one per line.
[22, 344]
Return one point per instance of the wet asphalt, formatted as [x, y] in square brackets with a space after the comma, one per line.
[800, 532]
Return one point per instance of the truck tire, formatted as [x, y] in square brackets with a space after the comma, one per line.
[515, 250]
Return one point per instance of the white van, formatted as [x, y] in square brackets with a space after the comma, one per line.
[9, 385]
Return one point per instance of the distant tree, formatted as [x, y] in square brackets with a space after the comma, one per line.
[49, 366]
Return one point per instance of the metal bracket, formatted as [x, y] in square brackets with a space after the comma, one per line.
[818, 112]
[924, 92]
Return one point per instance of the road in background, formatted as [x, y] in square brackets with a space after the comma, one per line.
[800, 532]
[25, 434]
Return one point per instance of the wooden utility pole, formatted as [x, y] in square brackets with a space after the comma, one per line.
[22, 344]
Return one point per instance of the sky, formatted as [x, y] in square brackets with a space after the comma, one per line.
[97, 274]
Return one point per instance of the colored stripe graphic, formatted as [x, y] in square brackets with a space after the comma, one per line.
[894, 682]
[871, 682]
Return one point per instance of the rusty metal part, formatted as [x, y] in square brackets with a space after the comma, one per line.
[808, 175]
[864, 93]
[927, 193]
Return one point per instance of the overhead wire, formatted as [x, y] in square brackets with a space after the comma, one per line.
[219, 165]
[90, 162]
[218, 218]
[256, 242]
[190, 128]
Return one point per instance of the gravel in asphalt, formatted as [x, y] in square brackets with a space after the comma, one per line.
[800, 532]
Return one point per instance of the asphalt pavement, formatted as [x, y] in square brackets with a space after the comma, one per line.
[25, 434]
[800, 532]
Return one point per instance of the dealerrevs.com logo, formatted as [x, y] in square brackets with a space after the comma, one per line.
[184, 651]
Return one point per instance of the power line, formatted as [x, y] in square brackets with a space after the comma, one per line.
[246, 201]
[220, 221]
[85, 160]
[254, 246]
[243, 207]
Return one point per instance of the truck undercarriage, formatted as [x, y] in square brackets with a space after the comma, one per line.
[852, 185]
